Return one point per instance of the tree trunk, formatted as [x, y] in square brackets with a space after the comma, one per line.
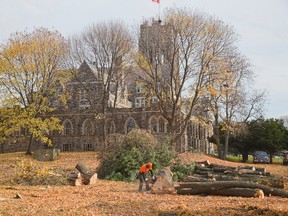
[226, 144]
[29, 149]
[271, 156]
[245, 156]
[104, 134]
[216, 136]
[1, 147]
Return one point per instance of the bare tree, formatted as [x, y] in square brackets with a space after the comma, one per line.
[106, 47]
[176, 64]
[231, 97]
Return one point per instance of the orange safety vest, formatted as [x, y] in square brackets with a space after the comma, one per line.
[144, 169]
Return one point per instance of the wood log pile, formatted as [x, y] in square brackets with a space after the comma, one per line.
[85, 176]
[246, 181]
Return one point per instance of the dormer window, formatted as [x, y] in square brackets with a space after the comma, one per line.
[139, 87]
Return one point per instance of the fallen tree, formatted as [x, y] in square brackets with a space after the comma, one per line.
[204, 171]
[227, 188]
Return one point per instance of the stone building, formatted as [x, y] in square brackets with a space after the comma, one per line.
[83, 124]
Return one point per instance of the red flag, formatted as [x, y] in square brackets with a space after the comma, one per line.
[157, 1]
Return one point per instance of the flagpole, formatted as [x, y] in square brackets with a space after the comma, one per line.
[159, 18]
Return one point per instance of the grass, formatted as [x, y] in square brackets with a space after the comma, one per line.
[250, 159]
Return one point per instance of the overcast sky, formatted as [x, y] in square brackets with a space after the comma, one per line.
[262, 26]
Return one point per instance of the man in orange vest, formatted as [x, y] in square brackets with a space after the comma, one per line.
[145, 168]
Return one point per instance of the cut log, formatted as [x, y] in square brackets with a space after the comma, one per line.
[249, 171]
[89, 179]
[83, 169]
[163, 184]
[246, 168]
[219, 177]
[220, 185]
[75, 179]
[243, 192]
[201, 168]
[89, 176]
[78, 182]
[219, 168]
[200, 172]
[263, 170]
[203, 163]
[195, 179]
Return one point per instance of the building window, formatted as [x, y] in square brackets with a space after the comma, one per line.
[160, 59]
[139, 87]
[110, 127]
[87, 147]
[87, 128]
[189, 129]
[84, 103]
[130, 125]
[153, 125]
[140, 102]
[67, 147]
[162, 126]
[67, 128]
[83, 94]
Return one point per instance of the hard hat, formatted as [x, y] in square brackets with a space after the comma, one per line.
[149, 164]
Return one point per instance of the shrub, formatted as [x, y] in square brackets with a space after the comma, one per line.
[31, 173]
[181, 170]
[123, 161]
[28, 170]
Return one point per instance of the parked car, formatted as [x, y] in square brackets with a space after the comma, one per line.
[260, 157]
[285, 158]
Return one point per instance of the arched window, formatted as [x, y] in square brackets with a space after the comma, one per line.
[68, 129]
[153, 125]
[162, 125]
[110, 127]
[87, 128]
[130, 125]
